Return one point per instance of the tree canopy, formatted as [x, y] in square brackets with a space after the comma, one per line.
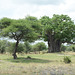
[22, 29]
[57, 30]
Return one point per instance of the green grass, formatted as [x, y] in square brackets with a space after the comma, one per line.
[37, 65]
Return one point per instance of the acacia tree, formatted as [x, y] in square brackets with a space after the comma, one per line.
[22, 29]
[57, 30]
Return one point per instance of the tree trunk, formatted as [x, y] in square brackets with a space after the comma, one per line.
[58, 46]
[53, 45]
[50, 49]
[15, 50]
[50, 44]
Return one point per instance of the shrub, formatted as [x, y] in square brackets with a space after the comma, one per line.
[39, 47]
[73, 48]
[27, 47]
[63, 48]
[3, 44]
[11, 48]
[69, 48]
[28, 57]
[67, 59]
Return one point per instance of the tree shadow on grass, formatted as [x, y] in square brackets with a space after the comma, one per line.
[26, 60]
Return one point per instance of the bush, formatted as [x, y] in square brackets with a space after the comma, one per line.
[63, 48]
[67, 59]
[69, 48]
[11, 48]
[27, 47]
[28, 57]
[39, 47]
[73, 48]
[3, 44]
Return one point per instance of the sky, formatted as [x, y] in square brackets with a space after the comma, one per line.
[17, 9]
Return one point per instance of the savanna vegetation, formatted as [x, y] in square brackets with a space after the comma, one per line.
[37, 59]
[37, 64]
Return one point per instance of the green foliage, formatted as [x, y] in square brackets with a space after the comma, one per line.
[27, 47]
[70, 48]
[57, 30]
[63, 48]
[34, 48]
[4, 22]
[60, 26]
[35, 25]
[39, 46]
[22, 29]
[20, 48]
[67, 59]
[3, 44]
[28, 57]
[73, 48]
[11, 48]
[34, 22]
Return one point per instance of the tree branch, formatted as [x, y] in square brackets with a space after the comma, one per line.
[69, 42]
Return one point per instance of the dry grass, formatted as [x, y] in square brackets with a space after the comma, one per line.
[40, 64]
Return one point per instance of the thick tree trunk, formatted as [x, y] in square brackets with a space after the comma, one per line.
[50, 44]
[15, 50]
[58, 46]
[50, 48]
[53, 45]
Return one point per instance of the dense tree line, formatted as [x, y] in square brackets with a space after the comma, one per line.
[8, 47]
[56, 30]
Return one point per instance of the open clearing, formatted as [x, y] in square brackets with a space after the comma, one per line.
[39, 64]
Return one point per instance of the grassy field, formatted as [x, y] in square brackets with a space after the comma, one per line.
[39, 64]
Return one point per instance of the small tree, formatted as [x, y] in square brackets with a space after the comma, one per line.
[39, 46]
